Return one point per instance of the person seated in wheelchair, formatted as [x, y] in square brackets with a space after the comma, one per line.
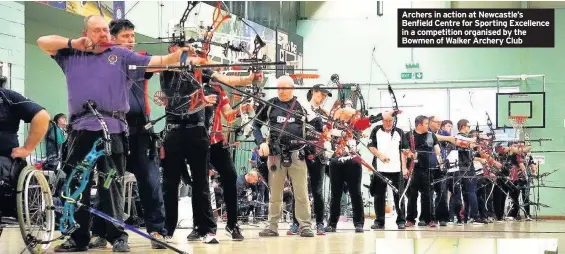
[14, 108]
[54, 142]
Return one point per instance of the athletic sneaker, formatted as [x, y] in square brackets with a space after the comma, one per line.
[421, 224]
[235, 233]
[409, 224]
[120, 245]
[97, 242]
[268, 233]
[320, 229]
[168, 239]
[481, 221]
[293, 230]
[157, 237]
[359, 229]
[193, 236]
[210, 238]
[70, 246]
[307, 233]
[329, 229]
[377, 226]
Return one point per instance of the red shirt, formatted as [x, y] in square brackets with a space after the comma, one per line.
[217, 134]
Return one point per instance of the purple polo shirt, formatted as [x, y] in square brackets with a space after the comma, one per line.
[102, 78]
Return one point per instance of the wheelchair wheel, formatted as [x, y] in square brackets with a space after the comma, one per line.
[36, 213]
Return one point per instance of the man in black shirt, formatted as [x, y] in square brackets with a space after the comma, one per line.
[186, 141]
[440, 212]
[426, 144]
[14, 108]
[467, 174]
[286, 155]
[316, 164]
[519, 176]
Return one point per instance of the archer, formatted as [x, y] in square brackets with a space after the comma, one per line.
[315, 163]
[139, 162]
[386, 143]
[220, 156]
[286, 155]
[80, 59]
[425, 144]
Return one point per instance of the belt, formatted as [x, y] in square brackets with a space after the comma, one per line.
[136, 121]
[172, 126]
[113, 114]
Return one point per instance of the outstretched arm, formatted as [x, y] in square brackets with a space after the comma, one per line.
[234, 80]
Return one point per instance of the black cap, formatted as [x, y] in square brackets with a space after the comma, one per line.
[323, 90]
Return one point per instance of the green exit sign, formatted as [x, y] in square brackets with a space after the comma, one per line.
[406, 75]
[411, 75]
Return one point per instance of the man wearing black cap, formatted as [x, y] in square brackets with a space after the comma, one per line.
[316, 164]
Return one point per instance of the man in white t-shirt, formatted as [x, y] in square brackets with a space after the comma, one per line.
[386, 144]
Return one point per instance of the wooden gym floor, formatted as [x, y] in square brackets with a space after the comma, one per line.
[343, 241]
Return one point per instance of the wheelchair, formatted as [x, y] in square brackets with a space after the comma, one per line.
[31, 192]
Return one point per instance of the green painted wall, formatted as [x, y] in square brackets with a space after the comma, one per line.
[550, 62]
[12, 48]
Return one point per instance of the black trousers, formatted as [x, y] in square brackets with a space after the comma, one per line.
[483, 190]
[182, 146]
[221, 159]
[499, 198]
[148, 180]
[341, 173]
[420, 184]
[455, 204]
[316, 175]
[515, 195]
[380, 197]
[440, 211]
[469, 190]
[111, 200]
[486, 204]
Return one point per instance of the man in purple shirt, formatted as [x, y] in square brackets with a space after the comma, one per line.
[99, 73]
[140, 162]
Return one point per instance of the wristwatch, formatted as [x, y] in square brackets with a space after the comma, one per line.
[69, 44]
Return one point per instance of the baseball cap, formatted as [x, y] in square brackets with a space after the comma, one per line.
[323, 90]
